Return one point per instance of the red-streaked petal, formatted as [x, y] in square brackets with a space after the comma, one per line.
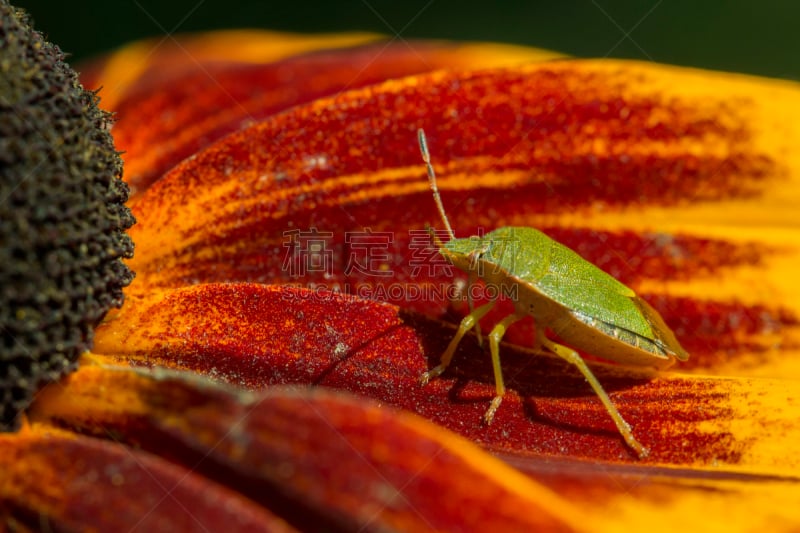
[182, 102]
[318, 458]
[648, 171]
[256, 335]
[57, 481]
[153, 62]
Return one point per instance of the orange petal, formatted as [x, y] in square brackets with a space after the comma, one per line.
[317, 458]
[57, 481]
[650, 172]
[257, 335]
[156, 60]
[189, 94]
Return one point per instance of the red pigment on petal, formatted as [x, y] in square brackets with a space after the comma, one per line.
[159, 126]
[318, 458]
[725, 332]
[543, 135]
[256, 336]
[344, 165]
[631, 256]
[57, 481]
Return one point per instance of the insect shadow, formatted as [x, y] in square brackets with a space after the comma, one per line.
[530, 372]
[532, 375]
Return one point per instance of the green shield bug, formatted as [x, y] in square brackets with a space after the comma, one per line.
[587, 308]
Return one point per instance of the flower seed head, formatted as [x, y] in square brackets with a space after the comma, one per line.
[62, 215]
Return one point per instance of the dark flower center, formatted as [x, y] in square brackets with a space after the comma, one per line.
[62, 215]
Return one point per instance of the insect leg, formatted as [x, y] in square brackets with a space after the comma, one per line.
[572, 356]
[467, 323]
[471, 280]
[494, 346]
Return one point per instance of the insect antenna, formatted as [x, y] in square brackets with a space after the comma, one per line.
[426, 156]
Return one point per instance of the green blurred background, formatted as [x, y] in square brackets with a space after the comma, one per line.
[735, 35]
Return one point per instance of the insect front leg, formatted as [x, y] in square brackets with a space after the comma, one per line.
[572, 356]
[467, 323]
[494, 347]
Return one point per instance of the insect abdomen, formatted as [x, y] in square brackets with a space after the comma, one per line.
[623, 335]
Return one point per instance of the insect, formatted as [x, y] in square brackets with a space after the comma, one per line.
[586, 307]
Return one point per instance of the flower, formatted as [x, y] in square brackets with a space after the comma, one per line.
[681, 183]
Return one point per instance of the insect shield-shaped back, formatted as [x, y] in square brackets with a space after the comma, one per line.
[583, 305]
